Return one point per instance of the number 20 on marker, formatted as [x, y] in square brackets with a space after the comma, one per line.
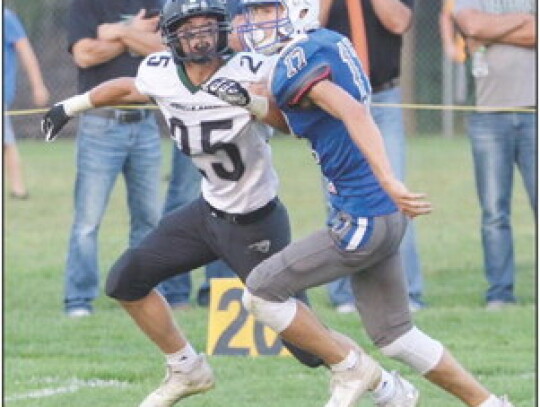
[231, 330]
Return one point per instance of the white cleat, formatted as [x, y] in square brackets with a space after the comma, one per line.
[79, 313]
[178, 385]
[505, 402]
[405, 395]
[348, 386]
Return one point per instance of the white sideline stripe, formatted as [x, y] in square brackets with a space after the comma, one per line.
[71, 386]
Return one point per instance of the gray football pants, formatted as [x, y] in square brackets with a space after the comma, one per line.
[377, 278]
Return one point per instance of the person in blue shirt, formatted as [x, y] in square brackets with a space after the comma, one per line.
[17, 46]
[321, 89]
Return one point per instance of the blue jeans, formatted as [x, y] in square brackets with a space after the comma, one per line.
[498, 141]
[9, 133]
[390, 123]
[184, 187]
[106, 148]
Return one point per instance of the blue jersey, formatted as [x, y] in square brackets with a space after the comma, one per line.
[319, 55]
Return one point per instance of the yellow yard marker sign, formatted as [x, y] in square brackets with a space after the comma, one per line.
[231, 329]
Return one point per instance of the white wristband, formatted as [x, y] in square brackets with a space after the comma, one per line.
[258, 106]
[77, 104]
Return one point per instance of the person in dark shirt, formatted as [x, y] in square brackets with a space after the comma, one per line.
[108, 40]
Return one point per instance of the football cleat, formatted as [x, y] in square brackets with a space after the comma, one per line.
[178, 385]
[348, 386]
[405, 394]
[505, 402]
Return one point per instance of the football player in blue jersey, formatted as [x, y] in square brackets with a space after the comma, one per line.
[319, 85]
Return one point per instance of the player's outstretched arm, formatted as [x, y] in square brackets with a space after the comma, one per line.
[261, 106]
[114, 92]
[365, 134]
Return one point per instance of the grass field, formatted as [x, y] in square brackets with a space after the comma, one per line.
[104, 361]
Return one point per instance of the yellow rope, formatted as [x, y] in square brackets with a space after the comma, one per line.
[26, 112]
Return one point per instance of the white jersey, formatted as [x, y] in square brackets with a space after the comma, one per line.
[225, 142]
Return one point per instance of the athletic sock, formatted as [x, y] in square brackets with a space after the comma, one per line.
[350, 360]
[184, 359]
[386, 388]
[491, 401]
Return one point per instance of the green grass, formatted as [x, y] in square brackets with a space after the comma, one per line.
[43, 350]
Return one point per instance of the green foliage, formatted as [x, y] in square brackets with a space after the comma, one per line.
[45, 351]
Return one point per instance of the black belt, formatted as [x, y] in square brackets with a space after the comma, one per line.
[244, 218]
[392, 83]
[121, 115]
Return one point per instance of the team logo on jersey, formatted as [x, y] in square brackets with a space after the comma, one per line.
[263, 246]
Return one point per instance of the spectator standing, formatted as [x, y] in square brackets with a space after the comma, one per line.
[108, 40]
[17, 45]
[376, 29]
[501, 37]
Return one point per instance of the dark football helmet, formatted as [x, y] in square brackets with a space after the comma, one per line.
[176, 12]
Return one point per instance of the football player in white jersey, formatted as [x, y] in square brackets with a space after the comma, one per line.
[238, 218]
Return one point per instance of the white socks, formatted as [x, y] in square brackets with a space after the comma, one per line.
[347, 363]
[492, 401]
[184, 359]
[385, 389]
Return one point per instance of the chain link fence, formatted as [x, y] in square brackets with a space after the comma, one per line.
[422, 78]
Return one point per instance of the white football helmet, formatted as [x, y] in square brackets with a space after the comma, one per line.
[267, 34]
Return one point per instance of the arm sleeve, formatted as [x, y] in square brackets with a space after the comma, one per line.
[82, 22]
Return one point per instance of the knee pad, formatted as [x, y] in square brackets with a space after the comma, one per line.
[277, 315]
[416, 349]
